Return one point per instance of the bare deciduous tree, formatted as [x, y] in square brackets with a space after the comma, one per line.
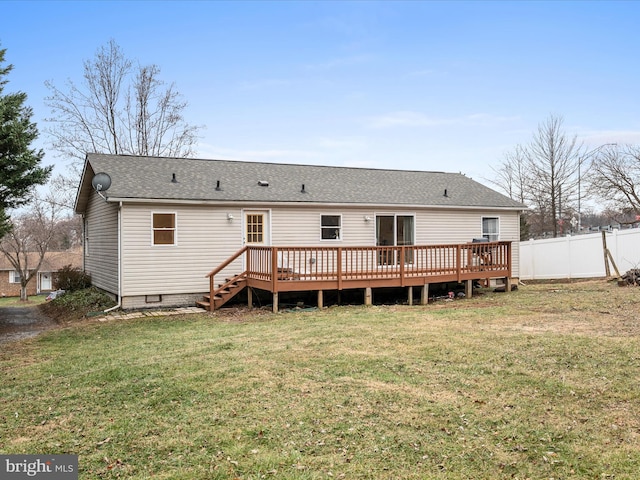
[119, 109]
[553, 162]
[615, 178]
[29, 238]
[544, 175]
[511, 175]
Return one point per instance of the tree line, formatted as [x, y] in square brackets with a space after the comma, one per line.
[558, 178]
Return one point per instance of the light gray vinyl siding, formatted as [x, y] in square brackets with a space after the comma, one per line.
[204, 239]
[101, 243]
[461, 226]
[293, 226]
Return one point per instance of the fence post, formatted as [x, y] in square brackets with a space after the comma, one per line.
[604, 252]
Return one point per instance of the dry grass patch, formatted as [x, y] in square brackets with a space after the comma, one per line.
[541, 383]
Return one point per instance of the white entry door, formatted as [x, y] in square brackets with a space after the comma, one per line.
[45, 281]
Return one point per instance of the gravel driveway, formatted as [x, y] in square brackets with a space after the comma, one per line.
[17, 323]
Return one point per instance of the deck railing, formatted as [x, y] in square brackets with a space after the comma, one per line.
[282, 269]
[280, 266]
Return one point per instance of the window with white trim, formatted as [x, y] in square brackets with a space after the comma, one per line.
[14, 277]
[331, 227]
[164, 229]
[491, 228]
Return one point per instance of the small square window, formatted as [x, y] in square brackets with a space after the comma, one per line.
[331, 227]
[14, 277]
[164, 228]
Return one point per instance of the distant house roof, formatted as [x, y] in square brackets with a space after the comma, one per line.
[173, 179]
[53, 261]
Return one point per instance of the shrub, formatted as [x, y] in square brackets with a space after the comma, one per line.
[71, 279]
[78, 304]
[84, 300]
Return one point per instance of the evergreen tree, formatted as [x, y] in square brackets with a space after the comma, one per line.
[20, 168]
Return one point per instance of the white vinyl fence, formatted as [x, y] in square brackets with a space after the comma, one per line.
[579, 256]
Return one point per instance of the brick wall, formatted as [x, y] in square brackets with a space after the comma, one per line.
[13, 289]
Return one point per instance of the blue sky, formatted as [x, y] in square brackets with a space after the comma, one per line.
[446, 86]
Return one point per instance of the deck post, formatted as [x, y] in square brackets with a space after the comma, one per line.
[507, 284]
[212, 303]
[368, 296]
[274, 269]
[339, 267]
[275, 302]
[424, 294]
[410, 299]
[249, 297]
[320, 300]
[468, 288]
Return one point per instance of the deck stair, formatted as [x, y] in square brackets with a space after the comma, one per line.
[224, 292]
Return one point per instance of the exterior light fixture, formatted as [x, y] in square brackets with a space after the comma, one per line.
[230, 217]
[367, 218]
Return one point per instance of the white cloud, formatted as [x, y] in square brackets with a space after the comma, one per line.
[254, 155]
[340, 62]
[418, 119]
[342, 143]
[424, 73]
[486, 119]
[267, 83]
[403, 119]
[610, 136]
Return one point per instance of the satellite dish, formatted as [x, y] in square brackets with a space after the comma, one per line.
[101, 182]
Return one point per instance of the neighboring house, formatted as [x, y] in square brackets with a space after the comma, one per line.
[165, 223]
[45, 280]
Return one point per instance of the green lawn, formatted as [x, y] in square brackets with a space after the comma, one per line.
[540, 383]
[15, 301]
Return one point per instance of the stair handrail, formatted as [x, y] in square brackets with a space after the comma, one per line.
[227, 262]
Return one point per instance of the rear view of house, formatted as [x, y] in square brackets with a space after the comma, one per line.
[164, 224]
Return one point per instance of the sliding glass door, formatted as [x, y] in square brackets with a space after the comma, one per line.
[394, 231]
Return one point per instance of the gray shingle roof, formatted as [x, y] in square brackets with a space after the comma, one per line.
[135, 177]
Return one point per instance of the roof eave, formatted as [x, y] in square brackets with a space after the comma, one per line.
[254, 203]
[82, 198]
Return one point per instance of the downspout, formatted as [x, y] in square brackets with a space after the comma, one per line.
[119, 261]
